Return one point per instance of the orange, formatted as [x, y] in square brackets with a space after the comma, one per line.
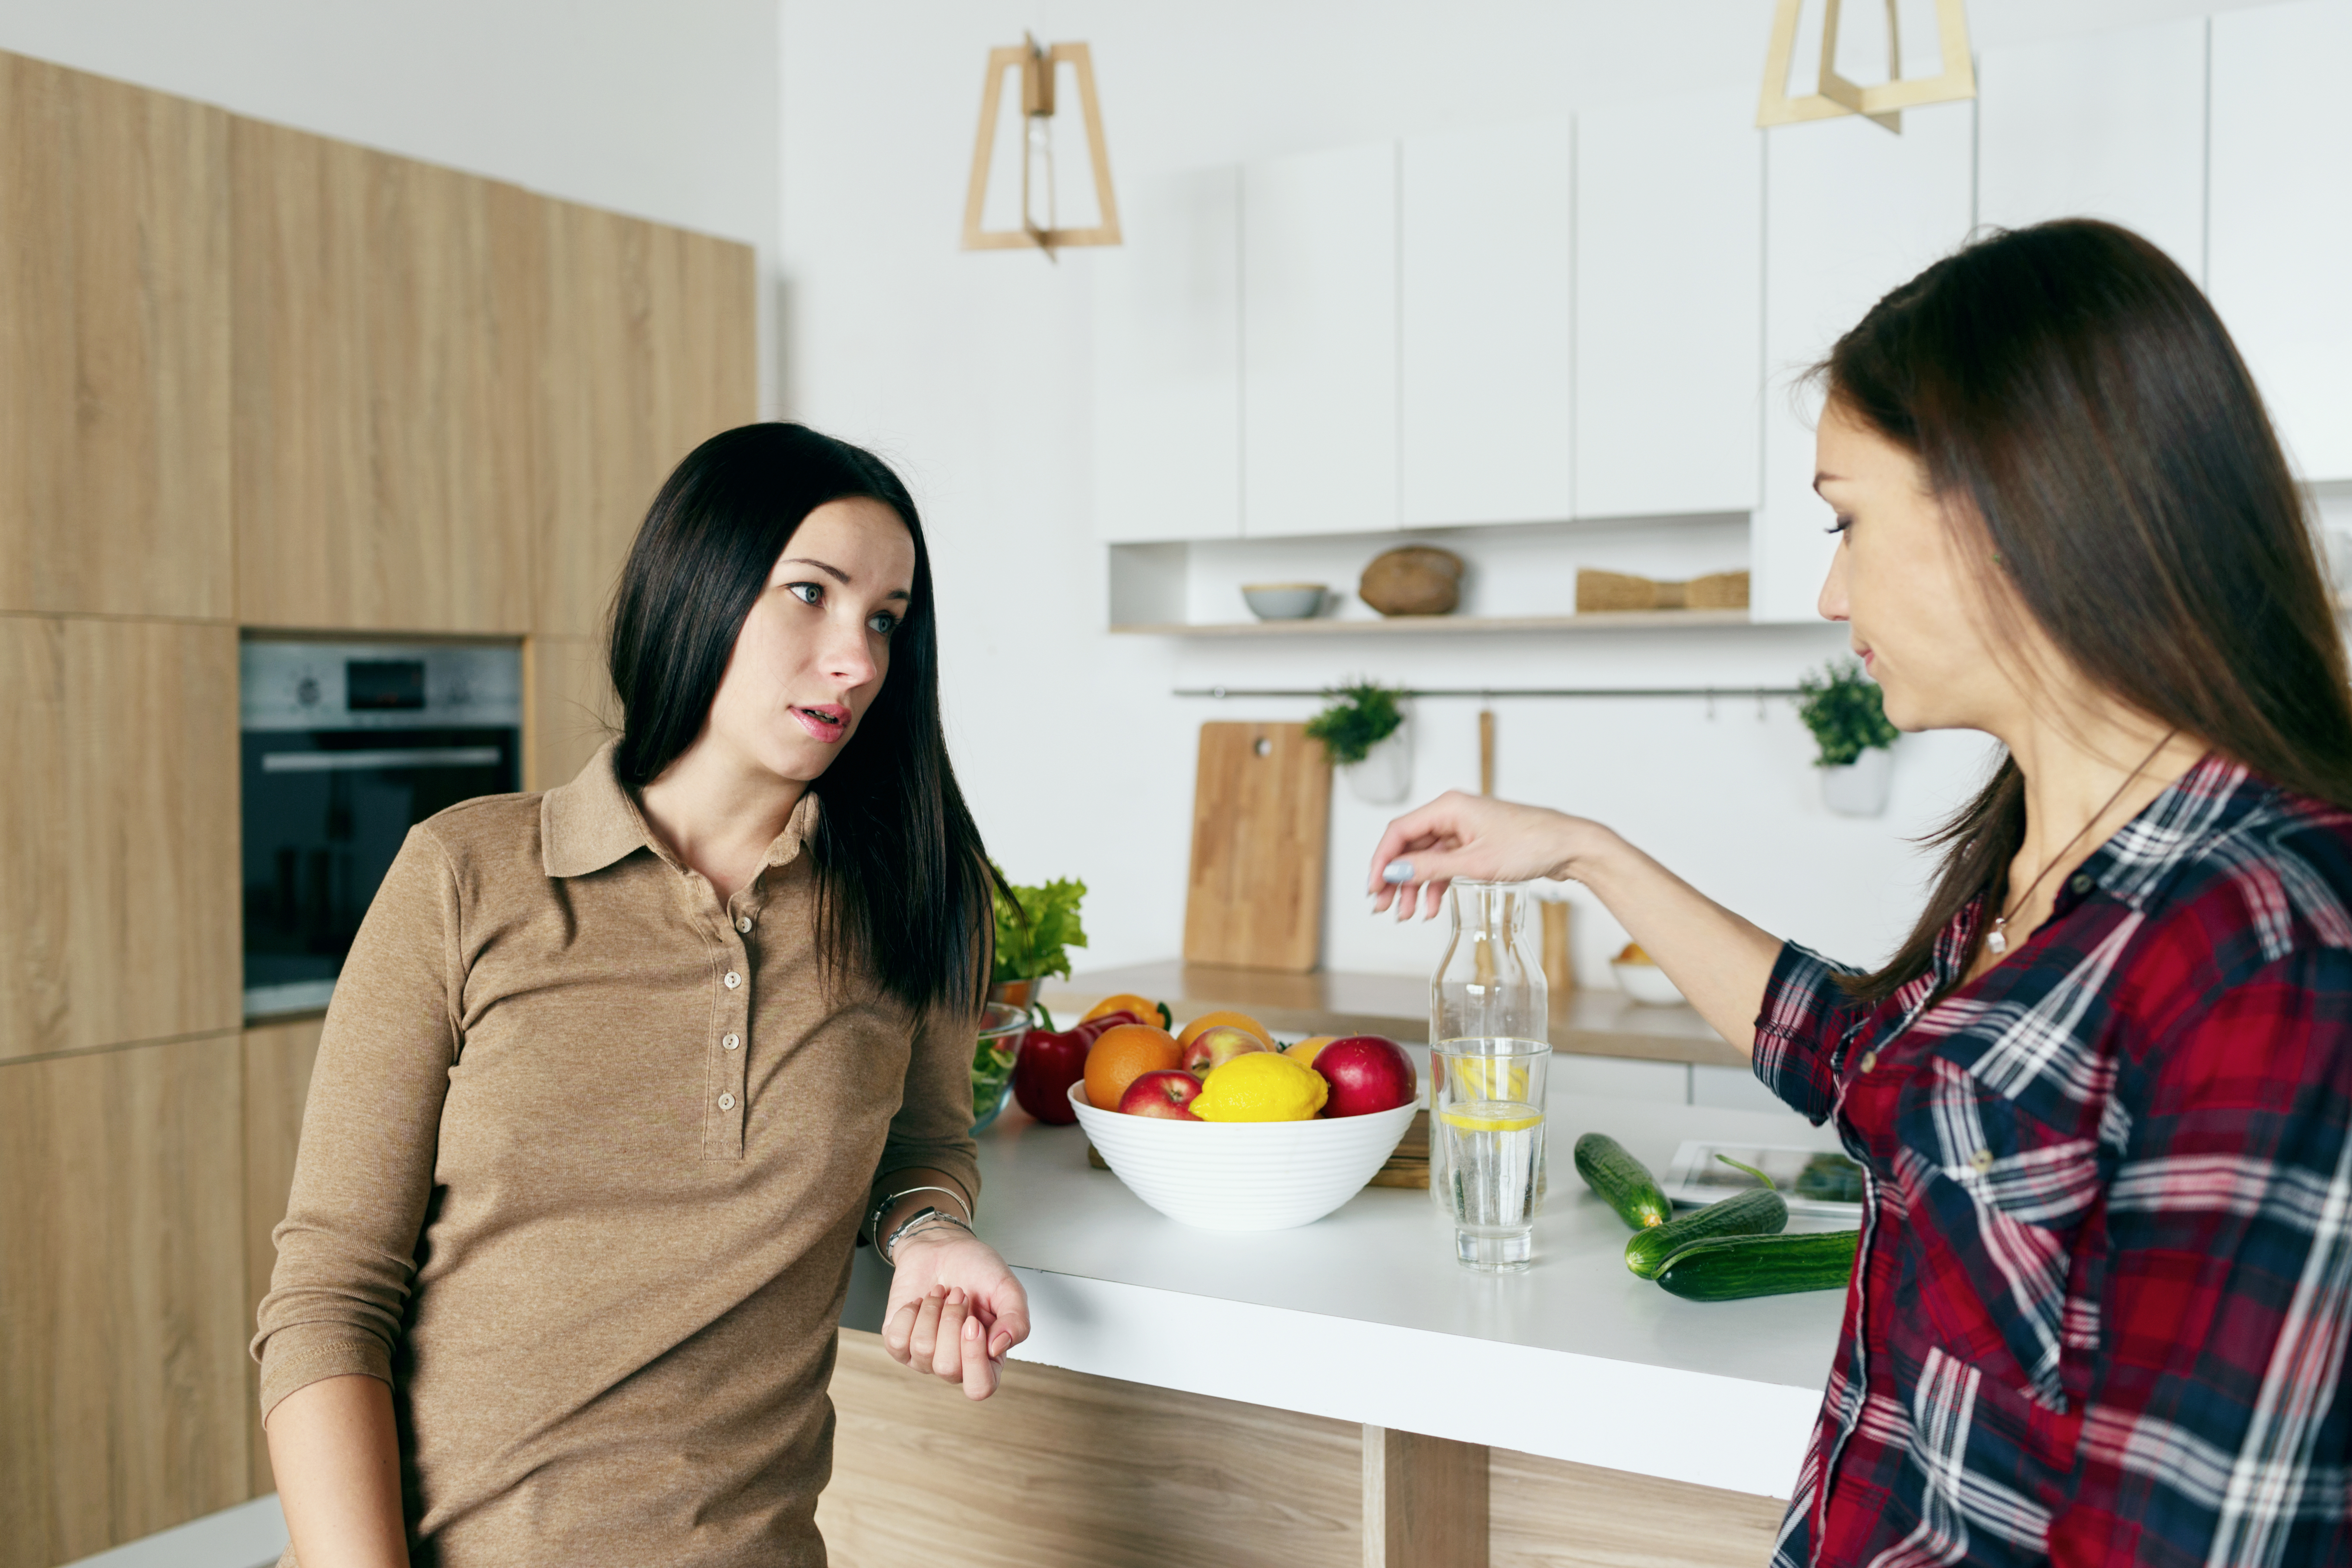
[1207, 1021]
[1303, 1053]
[1123, 1053]
[1125, 1002]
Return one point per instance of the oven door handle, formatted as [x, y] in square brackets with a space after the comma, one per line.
[388, 757]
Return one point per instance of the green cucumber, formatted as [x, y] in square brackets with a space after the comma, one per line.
[1732, 1267]
[1623, 1182]
[1748, 1214]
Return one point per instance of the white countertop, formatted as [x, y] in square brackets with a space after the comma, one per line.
[1363, 1316]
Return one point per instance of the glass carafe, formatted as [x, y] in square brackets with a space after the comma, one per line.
[1488, 986]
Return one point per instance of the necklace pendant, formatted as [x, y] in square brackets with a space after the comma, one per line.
[1997, 942]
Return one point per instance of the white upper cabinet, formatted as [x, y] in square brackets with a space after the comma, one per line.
[2109, 126]
[1669, 297]
[1168, 372]
[1488, 389]
[1319, 342]
[2281, 248]
[1853, 211]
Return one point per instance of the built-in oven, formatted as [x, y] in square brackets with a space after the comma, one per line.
[345, 746]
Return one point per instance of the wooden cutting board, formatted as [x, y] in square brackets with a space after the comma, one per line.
[1260, 829]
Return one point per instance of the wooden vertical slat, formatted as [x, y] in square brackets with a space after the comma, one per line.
[648, 347]
[119, 879]
[384, 367]
[1425, 1502]
[123, 1322]
[114, 353]
[1548, 1513]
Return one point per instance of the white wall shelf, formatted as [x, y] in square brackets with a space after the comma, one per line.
[1438, 625]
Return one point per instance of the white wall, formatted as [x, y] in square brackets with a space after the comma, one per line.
[664, 111]
[971, 373]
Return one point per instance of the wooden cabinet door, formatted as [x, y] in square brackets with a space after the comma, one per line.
[647, 348]
[277, 1062]
[123, 1372]
[114, 358]
[1669, 305]
[1852, 211]
[2282, 218]
[1486, 350]
[119, 884]
[384, 373]
[1319, 342]
[1168, 369]
[2109, 126]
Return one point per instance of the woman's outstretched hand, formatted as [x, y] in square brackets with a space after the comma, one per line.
[1472, 835]
[954, 1309]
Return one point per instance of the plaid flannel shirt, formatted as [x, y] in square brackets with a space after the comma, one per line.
[2099, 1311]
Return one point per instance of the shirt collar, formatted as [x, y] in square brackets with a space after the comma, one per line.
[594, 821]
[2203, 805]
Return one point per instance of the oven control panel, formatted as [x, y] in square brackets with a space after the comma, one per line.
[378, 686]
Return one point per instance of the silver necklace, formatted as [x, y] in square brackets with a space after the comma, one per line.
[1997, 938]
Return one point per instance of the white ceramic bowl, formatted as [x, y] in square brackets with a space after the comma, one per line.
[1284, 601]
[1645, 983]
[1242, 1175]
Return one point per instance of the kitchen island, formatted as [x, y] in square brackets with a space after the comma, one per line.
[1364, 1318]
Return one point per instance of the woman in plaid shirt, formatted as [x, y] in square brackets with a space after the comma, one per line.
[2101, 1093]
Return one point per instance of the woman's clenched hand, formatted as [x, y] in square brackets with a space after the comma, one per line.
[954, 1309]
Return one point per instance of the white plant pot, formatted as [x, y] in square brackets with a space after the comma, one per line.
[1860, 787]
[1385, 776]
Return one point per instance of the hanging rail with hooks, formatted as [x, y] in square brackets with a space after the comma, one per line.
[1760, 695]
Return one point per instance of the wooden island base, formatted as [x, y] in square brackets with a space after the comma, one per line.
[1062, 1469]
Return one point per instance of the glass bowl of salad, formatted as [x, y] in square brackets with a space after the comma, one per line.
[1001, 1028]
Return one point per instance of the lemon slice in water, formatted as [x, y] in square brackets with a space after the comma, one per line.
[1492, 1116]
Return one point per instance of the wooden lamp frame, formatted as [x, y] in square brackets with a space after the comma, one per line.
[1882, 103]
[1038, 67]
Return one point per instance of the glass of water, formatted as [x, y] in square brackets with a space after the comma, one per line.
[1487, 1113]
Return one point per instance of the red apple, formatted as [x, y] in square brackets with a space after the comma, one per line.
[1214, 1048]
[1169, 1093]
[1049, 1062]
[1366, 1073]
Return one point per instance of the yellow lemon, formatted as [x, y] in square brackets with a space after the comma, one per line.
[1492, 1116]
[1260, 1086]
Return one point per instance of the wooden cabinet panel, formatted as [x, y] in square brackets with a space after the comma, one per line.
[647, 348]
[570, 709]
[277, 1061]
[1168, 369]
[1852, 212]
[122, 1297]
[114, 356]
[118, 871]
[1545, 1513]
[1486, 376]
[2111, 125]
[1319, 342]
[2282, 218]
[383, 375]
[1061, 1468]
[1669, 304]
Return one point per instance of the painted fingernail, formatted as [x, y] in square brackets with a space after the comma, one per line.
[1397, 871]
[999, 1345]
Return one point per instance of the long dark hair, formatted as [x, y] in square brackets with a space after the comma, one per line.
[903, 885]
[2075, 394]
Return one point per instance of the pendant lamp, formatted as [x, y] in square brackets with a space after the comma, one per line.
[1884, 102]
[1038, 66]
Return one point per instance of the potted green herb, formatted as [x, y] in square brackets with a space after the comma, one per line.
[1840, 706]
[1368, 739]
[1033, 938]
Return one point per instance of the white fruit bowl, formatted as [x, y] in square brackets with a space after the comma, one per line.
[1242, 1175]
[1645, 984]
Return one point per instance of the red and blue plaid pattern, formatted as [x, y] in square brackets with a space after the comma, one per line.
[2100, 1309]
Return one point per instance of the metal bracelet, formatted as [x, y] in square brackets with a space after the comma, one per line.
[874, 1220]
[914, 1224]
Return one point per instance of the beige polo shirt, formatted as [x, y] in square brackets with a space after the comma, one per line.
[581, 1168]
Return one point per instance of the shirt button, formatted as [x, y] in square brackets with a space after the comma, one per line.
[733, 979]
[731, 1042]
[743, 923]
[2082, 884]
[725, 1102]
[1981, 1159]
[1869, 1061]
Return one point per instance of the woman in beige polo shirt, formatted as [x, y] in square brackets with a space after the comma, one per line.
[615, 1074]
